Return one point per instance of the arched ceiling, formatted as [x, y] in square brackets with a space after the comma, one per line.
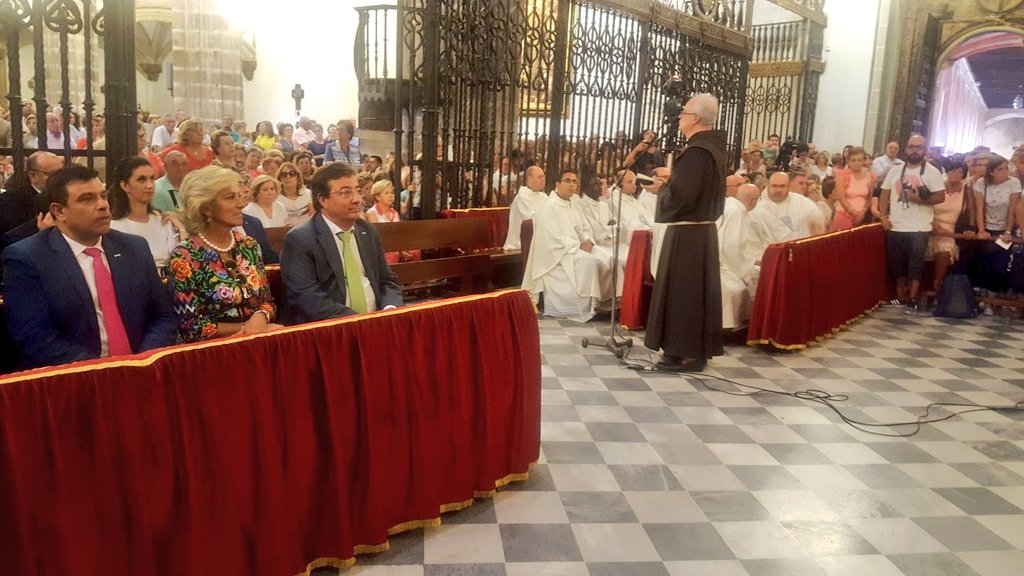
[999, 74]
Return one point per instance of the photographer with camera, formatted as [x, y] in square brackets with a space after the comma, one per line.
[909, 193]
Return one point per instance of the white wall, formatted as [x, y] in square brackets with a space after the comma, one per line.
[768, 13]
[845, 84]
[308, 42]
[154, 97]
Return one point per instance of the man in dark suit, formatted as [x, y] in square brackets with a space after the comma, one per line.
[253, 227]
[18, 203]
[80, 290]
[333, 264]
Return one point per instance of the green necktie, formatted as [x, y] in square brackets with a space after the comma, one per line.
[353, 279]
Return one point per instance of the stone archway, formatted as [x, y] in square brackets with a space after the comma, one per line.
[964, 92]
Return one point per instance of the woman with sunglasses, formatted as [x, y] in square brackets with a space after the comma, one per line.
[295, 197]
[217, 276]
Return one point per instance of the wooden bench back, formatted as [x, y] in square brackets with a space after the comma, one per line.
[276, 237]
[464, 233]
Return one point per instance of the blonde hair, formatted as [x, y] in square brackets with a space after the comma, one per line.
[259, 181]
[190, 124]
[380, 187]
[199, 190]
[274, 153]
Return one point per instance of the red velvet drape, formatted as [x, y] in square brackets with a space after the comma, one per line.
[811, 288]
[258, 455]
[498, 218]
[637, 282]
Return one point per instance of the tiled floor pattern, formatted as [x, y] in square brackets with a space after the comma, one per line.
[654, 475]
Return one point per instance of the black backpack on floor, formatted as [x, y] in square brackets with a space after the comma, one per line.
[956, 298]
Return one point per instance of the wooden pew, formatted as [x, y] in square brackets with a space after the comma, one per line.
[463, 245]
[276, 237]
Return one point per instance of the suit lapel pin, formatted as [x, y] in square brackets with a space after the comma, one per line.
[118, 255]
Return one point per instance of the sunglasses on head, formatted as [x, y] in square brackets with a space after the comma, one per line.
[232, 268]
[289, 174]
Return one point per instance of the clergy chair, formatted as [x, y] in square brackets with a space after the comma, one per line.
[526, 239]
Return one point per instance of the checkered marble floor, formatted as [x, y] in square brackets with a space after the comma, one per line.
[649, 474]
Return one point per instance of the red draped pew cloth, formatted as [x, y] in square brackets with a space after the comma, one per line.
[812, 288]
[637, 282]
[268, 454]
[498, 218]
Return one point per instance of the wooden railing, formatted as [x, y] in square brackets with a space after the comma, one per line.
[780, 42]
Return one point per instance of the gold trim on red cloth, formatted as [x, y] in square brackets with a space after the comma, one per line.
[831, 234]
[833, 332]
[148, 358]
[359, 549]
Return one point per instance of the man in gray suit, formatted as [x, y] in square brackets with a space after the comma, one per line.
[333, 264]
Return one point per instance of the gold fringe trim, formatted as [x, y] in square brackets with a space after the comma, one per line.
[817, 339]
[148, 358]
[344, 564]
[831, 234]
[466, 210]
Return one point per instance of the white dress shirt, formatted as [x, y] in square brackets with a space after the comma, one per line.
[86, 263]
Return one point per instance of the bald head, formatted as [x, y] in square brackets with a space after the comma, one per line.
[915, 149]
[732, 184]
[40, 165]
[748, 194]
[535, 178]
[778, 187]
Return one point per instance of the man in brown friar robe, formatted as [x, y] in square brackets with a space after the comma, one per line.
[685, 321]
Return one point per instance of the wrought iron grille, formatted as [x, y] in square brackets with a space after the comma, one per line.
[491, 86]
[782, 94]
[64, 20]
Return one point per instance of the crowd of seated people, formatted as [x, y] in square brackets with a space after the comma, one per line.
[107, 273]
[967, 220]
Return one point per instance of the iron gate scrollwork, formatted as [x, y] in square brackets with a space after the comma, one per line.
[67, 21]
[498, 85]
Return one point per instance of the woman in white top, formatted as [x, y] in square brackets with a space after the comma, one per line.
[383, 209]
[820, 168]
[131, 212]
[996, 196]
[295, 197]
[271, 213]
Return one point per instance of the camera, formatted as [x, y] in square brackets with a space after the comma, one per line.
[787, 151]
[922, 191]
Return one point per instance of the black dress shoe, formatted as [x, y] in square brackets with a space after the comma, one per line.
[670, 364]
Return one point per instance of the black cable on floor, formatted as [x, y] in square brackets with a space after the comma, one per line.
[829, 400]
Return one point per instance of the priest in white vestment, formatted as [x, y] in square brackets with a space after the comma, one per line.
[524, 205]
[738, 265]
[786, 215]
[573, 272]
[597, 212]
[633, 215]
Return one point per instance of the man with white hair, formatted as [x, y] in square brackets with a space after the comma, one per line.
[165, 134]
[685, 320]
[737, 256]
[303, 135]
[528, 200]
[884, 163]
[786, 215]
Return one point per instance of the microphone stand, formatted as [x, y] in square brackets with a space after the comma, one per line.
[618, 344]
